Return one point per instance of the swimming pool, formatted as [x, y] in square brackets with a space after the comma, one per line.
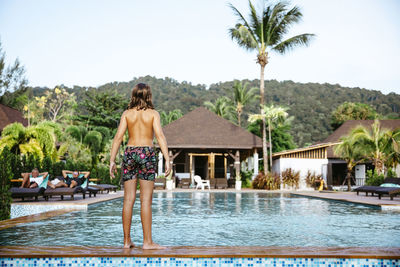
[220, 219]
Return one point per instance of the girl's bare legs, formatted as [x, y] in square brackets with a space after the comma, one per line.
[146, 199]
[129, 201]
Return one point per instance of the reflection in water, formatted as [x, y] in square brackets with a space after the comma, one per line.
[219, 219]
[238, 202]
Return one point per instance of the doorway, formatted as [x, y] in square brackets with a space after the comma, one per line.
[201, 166]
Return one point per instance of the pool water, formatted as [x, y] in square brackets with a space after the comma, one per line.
[220, 219]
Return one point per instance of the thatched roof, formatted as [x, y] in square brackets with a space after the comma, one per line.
[347, 126]
[201, 128]
[9, 115]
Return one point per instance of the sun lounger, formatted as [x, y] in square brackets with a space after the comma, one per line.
[17, 192]
[92, 190]
[221, 183]
[66, 191]
[391, 191]
[184, 183]
[104, 187]
[367, 189]
[159, 183]
[372, 189]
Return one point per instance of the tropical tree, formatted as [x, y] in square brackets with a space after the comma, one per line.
[222, 107]
[352, 111]
[351, 153]
[167, 118]
[275, 115]
[12, 77]
[265, 32]
[393, 149]
[102, 109]
[39, 140]
[241, 97]
[379, 145]
[59, 103]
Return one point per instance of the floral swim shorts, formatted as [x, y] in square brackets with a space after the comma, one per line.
[139, 161]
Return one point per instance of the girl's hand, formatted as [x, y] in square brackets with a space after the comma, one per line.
[167, 169]
[113, 170]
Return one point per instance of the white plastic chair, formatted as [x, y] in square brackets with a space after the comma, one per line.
[201, 183]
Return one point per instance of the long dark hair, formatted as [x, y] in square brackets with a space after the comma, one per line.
[141, 97]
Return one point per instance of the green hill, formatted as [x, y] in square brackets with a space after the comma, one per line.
[311, 104]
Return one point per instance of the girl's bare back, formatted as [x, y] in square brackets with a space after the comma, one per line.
[140, 127]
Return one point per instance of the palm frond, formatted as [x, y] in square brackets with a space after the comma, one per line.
[243, 33]
[271, 18]
[256, 22]
[282, 21]
[302, 39]
[243, 37]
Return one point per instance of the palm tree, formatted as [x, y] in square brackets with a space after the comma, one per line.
[38, 140]
[275, 115]
[393, 149]
[265, 32]
[171, 116]
[242, 97]
[351, 153]
[378, 143]
[222, 107]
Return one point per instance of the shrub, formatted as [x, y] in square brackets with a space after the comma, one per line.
[291, 178]
[105, 133]
[47, 166]
[311, 178]
[373, 178]
[30, 162]
[58, 167]
[6, 175]
[246, 178]
[74, 132]
[270, 181]
[103, 173]
[390, 173]
[16, 165]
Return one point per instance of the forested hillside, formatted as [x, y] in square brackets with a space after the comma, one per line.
[311, 104]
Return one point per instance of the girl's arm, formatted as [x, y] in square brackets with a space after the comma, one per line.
[117, 142]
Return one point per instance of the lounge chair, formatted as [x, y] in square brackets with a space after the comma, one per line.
[381, 190]
[184, 183]
[159, 183]
[104, 187]
[201, 183]
[221, 183]
[65, 191]
[17, 192]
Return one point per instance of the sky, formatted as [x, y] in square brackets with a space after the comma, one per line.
[93, 42]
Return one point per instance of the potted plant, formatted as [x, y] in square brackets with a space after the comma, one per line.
[169, 182]
[238, 183]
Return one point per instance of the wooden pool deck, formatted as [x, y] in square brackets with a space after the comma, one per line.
[385, 203]
[201, 252]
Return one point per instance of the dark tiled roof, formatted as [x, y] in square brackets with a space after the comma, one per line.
[347, 126]
[9, 115]
[201, 128]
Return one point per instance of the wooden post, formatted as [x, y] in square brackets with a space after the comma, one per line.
[190, 168]
[237, 164]
[225, 167]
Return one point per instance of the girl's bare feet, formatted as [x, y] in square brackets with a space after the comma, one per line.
[128, 244]
[153, 246]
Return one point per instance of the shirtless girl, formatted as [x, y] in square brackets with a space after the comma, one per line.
[140, 160]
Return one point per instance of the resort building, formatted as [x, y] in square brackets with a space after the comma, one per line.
[321, 159]
[202, 143]
[10, 115]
